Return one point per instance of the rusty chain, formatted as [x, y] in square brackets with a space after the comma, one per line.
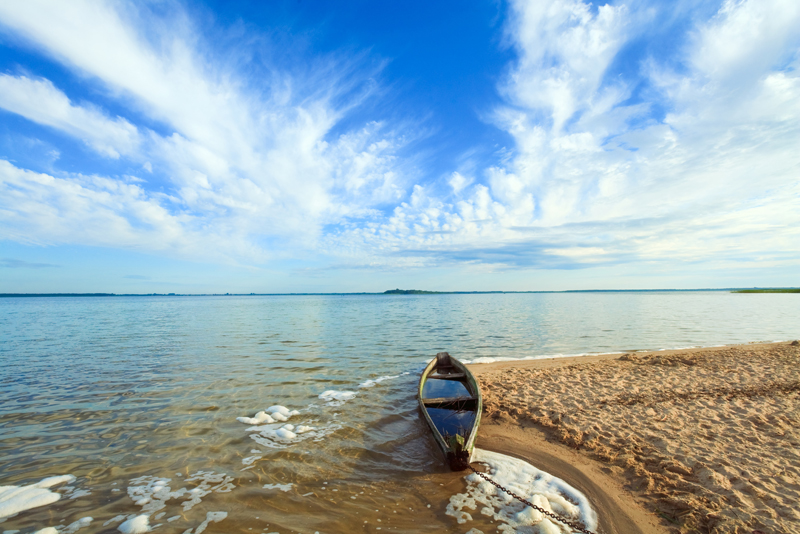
[572, 524]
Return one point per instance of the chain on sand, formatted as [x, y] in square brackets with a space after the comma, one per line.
[572, 524]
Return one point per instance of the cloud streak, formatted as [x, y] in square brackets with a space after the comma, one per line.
[242, 162]
[12, 263]
[40, 101]
[684, 156]
[595, 176]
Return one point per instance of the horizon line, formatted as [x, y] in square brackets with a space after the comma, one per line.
[390, 292]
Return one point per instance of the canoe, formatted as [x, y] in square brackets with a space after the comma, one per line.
[450, 401]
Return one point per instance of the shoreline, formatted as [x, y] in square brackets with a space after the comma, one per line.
[665, 441]
[599, 356]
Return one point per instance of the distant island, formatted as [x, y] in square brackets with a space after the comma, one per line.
[410, 292]
[421, 292]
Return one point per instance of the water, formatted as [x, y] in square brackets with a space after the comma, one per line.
[138, 397]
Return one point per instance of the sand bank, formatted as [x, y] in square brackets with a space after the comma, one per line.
[698, 440]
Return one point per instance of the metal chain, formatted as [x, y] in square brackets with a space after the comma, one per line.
[573, 525]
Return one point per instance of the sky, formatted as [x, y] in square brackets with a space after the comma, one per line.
[309, 146]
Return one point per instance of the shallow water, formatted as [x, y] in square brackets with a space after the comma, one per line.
[144, 392]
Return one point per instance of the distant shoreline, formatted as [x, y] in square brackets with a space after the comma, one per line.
[402, 292]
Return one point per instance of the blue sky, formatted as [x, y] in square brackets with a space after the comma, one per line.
[314, 146]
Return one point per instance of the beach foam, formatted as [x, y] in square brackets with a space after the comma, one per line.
[495, 359]
[285, 432]
[269, 428]
[542, 489]
[282, 436]
[152, 493]
[375, 381]
[282, 487]
[273, 414]
[336, 398]
[16, 499]
[135, 525]
[250, 460]
[215, 517]
[69, 529]
[77, 525]
[260, 417]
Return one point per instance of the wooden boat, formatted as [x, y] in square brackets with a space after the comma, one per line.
[451, 403]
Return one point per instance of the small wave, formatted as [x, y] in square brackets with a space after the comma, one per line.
[280, 437]
[16, 499]
[336, 398]
[282, 487]
[273, 414]
[495, 359]
[375, 381]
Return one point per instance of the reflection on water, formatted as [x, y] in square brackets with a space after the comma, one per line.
[144, 393]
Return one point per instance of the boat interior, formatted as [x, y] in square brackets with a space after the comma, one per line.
[448, 400]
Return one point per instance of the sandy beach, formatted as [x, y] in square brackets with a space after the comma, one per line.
[697, 440]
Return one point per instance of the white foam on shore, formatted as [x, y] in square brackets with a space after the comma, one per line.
[273, 414]
[152, 493]
[115, 519]
[250, 461]
[375, 381]
[285, 432]
[282, 487]
[73, 527]
[260, 417]
[16, 499]
[495, 359]
[77, 493]
[216, 517]
[266, 428]
[135, 525]
[542, 489]
[336, 398]
[269, 427]
[279, 436]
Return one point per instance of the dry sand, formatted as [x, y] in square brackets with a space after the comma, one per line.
[699, 440]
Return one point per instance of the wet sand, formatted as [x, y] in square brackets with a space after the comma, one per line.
[697, 440]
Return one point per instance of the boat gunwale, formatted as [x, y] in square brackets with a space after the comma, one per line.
[472, 385]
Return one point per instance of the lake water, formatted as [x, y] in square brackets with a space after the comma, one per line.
[138, 398]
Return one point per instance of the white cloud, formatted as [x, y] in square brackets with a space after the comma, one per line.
[746, 39]
[458, 182]
[39, 101]
[251, 156]
[716, 180]
[42, 209]
[564, 51]
[597, 173]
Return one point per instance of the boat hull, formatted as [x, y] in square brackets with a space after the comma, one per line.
[450, 401]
